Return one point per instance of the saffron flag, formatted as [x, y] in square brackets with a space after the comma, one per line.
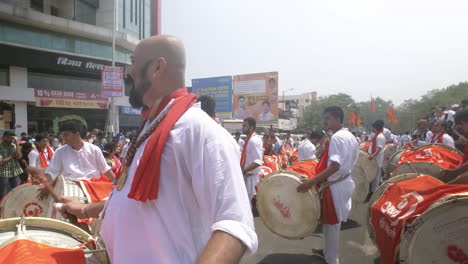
[372, 105]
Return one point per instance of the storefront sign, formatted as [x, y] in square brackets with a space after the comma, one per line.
[112, 81]
[67, 99]
[130, 110]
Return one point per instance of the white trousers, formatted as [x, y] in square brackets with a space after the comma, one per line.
[377, 181]
[331, 235]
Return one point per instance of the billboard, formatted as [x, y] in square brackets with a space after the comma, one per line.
[112, 81]
[220, 88]
[256, 95]
[69, 99]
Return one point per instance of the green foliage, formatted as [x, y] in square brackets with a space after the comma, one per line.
[407, 113]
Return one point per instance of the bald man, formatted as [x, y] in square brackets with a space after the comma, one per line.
[181, 196]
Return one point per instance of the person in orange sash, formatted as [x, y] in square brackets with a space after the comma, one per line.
[459, 175]
[333, 171]
[41, 156]
[252, 156]
[440, 136]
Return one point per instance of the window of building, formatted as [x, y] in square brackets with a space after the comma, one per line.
[124, 11]
[4, 76]
[85, 12]
[54, 11]
[131, 10]
[48, 81]
[37, 5]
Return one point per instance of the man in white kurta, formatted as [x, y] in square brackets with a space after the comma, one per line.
[253, 151]
[34, 156]
[343, 153]
[201, 190]
[440, 136]
[239, 140]
[306, 150]
[378, 155]
[405, 139]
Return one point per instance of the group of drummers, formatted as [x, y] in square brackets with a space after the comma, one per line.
[186, 188]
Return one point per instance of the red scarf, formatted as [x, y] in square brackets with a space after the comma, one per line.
[328, 207]
[42, 156]
[439, 139]
[146, 181]
[244, 150]
[374, 142]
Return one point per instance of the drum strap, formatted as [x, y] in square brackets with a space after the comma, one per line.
[329, 183]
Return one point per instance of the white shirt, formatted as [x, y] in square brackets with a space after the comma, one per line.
[201, 190]
[344, 150]
[35, 159]
[240, 143]
[289, 142]
[387, 134]
[450, 115]
[446, 140]
[83, 164]
[306, 150]
[254, 154]
[405, 139]
[380, 142]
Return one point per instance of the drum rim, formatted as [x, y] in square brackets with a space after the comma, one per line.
[391, 158]
[406, 240]
[440, 145]
[377, 195]
[3, 202]
[312, 192]
[416, 162]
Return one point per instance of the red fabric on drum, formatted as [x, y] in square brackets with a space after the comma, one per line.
[400, 204]
[440, 156]
[306, 168]
[329, 216]
[98, 189]
[26, 251]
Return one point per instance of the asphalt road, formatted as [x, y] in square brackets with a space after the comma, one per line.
[355, 244]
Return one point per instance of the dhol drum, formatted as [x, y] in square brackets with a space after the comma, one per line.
[393, 162]
[363, 174]
[389, 150]
[23, 200]
[18, 234]
[416, 218]
[429, 159]
[285, 211]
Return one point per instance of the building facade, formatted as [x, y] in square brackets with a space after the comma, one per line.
[294, 106]
[52, 55]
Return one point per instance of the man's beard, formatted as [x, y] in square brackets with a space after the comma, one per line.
[136, 98]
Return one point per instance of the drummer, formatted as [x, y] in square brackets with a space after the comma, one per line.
[78, 160]
[306, 149]
[459, 175]
[376, 151]
[440, 136]
[334, 169]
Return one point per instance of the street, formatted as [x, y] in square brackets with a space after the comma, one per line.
[355, 244]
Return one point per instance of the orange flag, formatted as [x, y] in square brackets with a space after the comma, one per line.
[372, 104]
[352, 118]
[391, 117]
[358, 121]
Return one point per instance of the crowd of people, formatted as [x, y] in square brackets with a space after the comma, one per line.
[185, 187]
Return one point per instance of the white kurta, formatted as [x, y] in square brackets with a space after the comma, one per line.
[380, 142]
[35, 158]
[306, 150]
[83, 164]
[201, 190]
[446, 140]
[344, 150]
[241, 144]
[405, 139]
[254, 154]
[387, 134]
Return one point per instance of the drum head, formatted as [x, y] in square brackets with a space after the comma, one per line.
[285, 211]
[379, 192]
[427, 168]
[369, 167]
[393, 162]
[389, 150]
[22, 200]
[439, 235]
[362, 185]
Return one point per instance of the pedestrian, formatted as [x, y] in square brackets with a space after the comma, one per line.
[333, 170]
[181, 197]
[41, 156]
[376, 151]
[10, 169]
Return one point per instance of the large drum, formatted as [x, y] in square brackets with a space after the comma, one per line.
[285, 211]
[418, 219]
[22, 200]
[393, 162]
[18, 235]
[363, 174]
[389, 150]
[429, 159]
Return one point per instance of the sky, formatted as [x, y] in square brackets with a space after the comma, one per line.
[397, 50]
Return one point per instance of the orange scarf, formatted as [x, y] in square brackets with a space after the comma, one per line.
[146, 181]
[374, 142]
[42, 156]
[440, 138]
[244, 150]
[328, 207]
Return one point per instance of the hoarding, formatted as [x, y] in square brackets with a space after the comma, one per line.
[112, 81]
[220, 88]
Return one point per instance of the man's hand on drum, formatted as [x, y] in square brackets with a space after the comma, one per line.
[73, 207]
[307, 184]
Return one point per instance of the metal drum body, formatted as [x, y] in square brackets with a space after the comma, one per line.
[51, 232]
[428, 168]
[22, 200]
[389, 150]
[285, 211]
[363, 174]
[393, 162]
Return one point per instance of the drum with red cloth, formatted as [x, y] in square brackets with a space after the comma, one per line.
[394, 161]
[45, 240]
[429, 159]
[273, 162]
[285, 211]
[416, 218]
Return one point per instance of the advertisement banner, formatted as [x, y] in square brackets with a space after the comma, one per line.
[287, 124]
[128, 110]
[256, 95]
[67, 99]
[220, 88]
[112, 81]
